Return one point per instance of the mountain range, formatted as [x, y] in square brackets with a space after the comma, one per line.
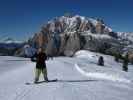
[8, 46]
[67, 34]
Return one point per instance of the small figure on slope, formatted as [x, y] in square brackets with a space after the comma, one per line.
[125, 63]
[101, 61]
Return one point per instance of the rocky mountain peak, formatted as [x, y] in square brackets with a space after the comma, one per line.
[66, 34]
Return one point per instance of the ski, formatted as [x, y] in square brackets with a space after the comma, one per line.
[49, 81]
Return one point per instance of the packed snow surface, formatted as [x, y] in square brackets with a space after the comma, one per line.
[79, 78]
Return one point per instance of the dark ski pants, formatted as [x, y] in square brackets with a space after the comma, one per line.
[38, 71]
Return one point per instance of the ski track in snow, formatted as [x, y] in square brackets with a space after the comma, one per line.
[102, 75]
[74, 82]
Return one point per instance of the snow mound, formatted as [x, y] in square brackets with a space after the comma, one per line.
[84, 54]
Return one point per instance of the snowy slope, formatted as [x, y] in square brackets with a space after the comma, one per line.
[125, 36]
[79, 79]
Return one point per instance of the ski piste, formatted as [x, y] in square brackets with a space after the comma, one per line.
[40, 82]
[87, 81]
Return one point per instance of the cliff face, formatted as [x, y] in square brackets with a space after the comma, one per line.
[65, 35]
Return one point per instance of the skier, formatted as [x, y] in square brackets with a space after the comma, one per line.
[125, 63]
[40, 65]
[101, 61]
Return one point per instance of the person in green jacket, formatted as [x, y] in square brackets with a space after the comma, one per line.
[41, 58]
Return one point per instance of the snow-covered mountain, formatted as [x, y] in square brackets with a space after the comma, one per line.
[127, 40]
[66, 34]
[9, 43]
[125, 36]
[8, 40]
[77, 23]
[8, 46]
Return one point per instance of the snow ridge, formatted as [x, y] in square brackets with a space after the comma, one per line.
[70, 24]
[102, 75]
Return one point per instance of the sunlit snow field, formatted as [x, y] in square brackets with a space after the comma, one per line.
[79, 78]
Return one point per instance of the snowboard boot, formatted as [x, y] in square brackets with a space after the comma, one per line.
[46, 79]
[36, 81]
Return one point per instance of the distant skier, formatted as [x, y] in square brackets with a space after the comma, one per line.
[101, 61]
[125, 63]
[41, 57]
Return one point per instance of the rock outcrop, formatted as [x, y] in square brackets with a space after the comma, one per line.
[66, 34]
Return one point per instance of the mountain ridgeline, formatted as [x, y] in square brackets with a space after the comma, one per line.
[63, 36]
[67, 34]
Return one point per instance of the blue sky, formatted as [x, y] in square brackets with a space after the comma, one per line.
[22, 18]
